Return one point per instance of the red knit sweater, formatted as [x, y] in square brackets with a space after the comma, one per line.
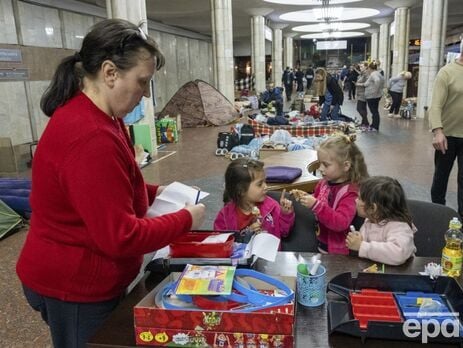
[88, 231]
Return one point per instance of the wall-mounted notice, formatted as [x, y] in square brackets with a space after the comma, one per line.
[14, 74]
[10, 55]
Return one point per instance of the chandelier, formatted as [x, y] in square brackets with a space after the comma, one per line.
[327, 13]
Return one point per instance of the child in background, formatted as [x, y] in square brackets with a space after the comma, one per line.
[342, 166]
[387, 233]
[247, 206]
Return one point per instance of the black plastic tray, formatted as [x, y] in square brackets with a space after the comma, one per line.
[341, 318]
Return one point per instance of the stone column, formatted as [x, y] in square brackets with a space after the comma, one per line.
[258, 52]
[221, 19]
[384, 45]
[432, 43]
[288, 48]
[277, 53]
[401, 37]
[374, 43]
[135, 12]
[401, 34]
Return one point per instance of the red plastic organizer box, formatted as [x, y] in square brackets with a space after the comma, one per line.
[373, 305]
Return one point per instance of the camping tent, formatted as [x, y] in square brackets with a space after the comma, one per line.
[8, 220]
[200, 104]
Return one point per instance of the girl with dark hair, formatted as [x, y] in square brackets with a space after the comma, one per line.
[387, 233]
[247, 206]
[89, 229]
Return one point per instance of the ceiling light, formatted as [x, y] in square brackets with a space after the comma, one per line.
[309, 2]
[348, 13]
[336, 34]
[311, 28]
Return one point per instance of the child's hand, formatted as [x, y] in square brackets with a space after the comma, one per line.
[353, 240]
[308, 200]
[256, 227]
[285, 204]
[297, 194]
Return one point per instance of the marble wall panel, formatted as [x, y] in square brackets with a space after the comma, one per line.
[183, 61]
[38, 118]
[75, 28]
[194, 59]
[203, 52]
[14, 115]
[40, 26]
[159, 77]
[169, 47]
[7, 23]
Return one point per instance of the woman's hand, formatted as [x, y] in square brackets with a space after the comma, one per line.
[160, 189]
[198, 213]
[353, 240]
[285, 204]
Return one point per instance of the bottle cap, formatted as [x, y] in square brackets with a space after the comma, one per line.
[455, 224]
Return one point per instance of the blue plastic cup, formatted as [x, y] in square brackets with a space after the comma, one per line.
[311, 289]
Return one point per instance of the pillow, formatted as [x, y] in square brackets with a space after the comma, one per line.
[282, 174]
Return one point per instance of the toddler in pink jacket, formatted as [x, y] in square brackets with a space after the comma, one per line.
[247, 207]
[387, 233]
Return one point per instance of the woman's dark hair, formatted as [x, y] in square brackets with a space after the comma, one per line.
[238, 176]
[389, 197]
[116, 40]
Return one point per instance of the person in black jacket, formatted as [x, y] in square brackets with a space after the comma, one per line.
[330, 94]
[287, 79]
[309, 77]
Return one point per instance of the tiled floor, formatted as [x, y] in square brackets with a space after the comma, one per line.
[401, 149]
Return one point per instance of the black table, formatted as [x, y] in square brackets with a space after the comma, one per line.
[311, 323]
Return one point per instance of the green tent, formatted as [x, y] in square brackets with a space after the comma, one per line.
[9, 220]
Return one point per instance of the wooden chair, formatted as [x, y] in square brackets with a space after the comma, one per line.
[313, 167]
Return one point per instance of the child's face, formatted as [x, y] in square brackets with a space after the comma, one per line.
[332, 170]
[257, 189]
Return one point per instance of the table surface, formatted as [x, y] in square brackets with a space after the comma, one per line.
[311, 323]
[299, 159]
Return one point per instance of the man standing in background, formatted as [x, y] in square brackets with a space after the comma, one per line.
[446, 123]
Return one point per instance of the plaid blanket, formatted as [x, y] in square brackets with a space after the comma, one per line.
[317, 129]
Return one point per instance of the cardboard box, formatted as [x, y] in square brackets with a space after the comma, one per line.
[159, 326]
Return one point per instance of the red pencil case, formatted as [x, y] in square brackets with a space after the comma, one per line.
[190, 245]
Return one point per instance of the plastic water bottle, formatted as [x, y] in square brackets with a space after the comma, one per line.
[452, 254]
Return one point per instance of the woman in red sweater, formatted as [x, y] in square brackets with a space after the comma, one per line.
[88, 230]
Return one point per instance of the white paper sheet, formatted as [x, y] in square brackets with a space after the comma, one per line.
[173, 198]
[263, 245]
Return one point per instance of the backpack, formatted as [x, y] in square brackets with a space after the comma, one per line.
[247, 134]
[227, 140]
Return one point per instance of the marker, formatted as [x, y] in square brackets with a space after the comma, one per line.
[197, 197]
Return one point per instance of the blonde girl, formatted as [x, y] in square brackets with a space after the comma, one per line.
[342, 167]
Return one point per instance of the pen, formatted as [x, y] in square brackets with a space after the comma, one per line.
[197, 197]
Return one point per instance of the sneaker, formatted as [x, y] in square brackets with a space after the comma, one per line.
[397, 116]
[372, 129]
[390, 115]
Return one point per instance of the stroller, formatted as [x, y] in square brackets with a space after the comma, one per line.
[406, 109]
